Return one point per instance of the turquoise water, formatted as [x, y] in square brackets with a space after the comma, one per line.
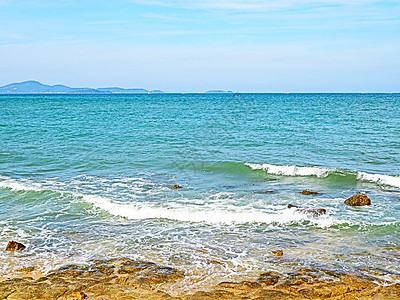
[88, 177]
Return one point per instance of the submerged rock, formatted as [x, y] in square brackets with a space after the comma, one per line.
[278, 252]
[316, 212]
[176, 187]
[12, 246]
[306, 192]
[263, 192]
[358, 200]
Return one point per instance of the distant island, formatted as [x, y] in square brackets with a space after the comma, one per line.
[218, 92]
[35, 87]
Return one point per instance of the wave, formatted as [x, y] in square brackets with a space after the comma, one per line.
[209, 215]
[320, 172]
[279, 215]
[291, 170]
[15, 185]
[380, 179]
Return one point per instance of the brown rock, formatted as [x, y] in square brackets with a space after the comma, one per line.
[134, 267]
[12, 246]
[268, 278]
[176, 187]
[145, 280]
[316, 212]
[278, 252]
[78, 296]
[26, 269]
[358, 200]
[216, 294]
[215, 262]
[390, 292]
[264, 192]
[243, 286]
[306, 192]
[158, 274]
[299, 281]
[275, 295]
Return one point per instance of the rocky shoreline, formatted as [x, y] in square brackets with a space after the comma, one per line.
[124, 278]
[129, 279]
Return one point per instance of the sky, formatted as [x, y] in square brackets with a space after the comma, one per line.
[199, 45]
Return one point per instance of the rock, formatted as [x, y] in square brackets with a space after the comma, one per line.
[306, 192]
[215, 262]
[146, 280]
[243, 286]
[268, 278]
[349, 286]
[276, 295]
[216, 294]
[176, 187]
[78, 296]
[358, 200]
[26, 269]
[264, 192]
[278, 252]
[158, 274]
[12, 246]
[132, 267]
[299, 281]
[316, 212]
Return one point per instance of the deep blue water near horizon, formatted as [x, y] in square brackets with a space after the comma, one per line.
[90, 176]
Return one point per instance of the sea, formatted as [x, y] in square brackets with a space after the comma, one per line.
[87, 177]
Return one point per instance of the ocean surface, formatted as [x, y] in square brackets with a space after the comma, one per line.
[86, 177]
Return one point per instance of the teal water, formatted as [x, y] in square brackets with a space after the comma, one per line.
[89, 177]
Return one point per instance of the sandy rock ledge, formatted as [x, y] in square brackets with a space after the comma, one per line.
[128, 279]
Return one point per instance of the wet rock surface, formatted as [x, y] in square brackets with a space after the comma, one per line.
[13, 246]
[264, 192]
[277, 252]
[316, 212]
[307, 192]
[358, 200]
[128, 279]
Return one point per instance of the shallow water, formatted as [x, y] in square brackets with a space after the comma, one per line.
[87, 177]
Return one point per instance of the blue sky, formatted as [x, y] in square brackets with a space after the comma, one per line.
[193, 46]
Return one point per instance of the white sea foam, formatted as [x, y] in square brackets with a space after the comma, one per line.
[19, 186]
[208, 215]
[380, 178]
[291, 170]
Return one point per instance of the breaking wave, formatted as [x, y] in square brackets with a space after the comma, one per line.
[320, 172]
[208, 215]
[279, 215]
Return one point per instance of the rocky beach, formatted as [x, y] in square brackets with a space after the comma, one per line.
[124, 278]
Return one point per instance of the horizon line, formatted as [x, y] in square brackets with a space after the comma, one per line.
[159, 92]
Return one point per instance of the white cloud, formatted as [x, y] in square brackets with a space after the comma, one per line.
[251, 5]
[108, 22]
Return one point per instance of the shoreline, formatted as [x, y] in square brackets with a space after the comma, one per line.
[125, 278]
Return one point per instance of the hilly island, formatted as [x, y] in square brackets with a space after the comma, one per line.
[35, 87]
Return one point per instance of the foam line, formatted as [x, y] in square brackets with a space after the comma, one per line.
[15, 185]
[291, 170]
[320, 172]
[380, 178]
